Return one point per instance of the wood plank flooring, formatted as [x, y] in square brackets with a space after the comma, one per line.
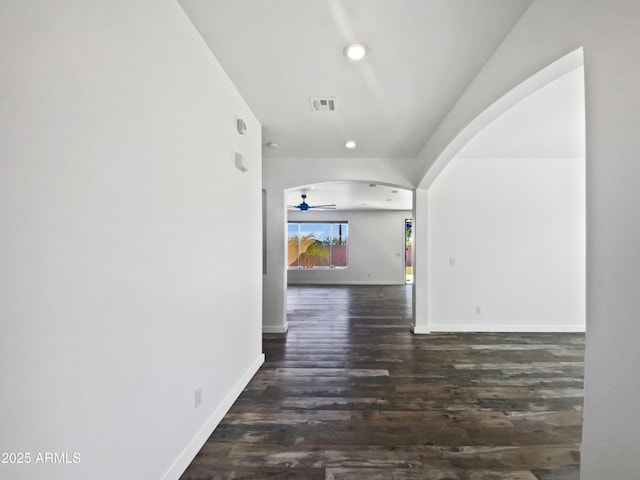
[350, 393]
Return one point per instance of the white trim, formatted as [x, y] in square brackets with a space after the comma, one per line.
[510, 328]
[192, 449]
[420, 330]
[275, 328]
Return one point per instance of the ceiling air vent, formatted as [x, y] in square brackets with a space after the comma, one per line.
[322, 104]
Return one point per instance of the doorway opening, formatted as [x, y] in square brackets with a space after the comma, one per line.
[408, 251]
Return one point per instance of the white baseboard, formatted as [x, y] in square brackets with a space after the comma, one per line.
[508, 328]
[275, 328]
[420, 330]
[189, 453]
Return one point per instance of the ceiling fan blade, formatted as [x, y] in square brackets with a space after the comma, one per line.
[323, 206]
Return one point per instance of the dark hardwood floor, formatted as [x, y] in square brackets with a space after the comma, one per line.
[350, 393]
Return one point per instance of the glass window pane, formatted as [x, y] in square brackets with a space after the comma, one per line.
[313, 251]
[339, 241]
[292, 244]
[313, 245]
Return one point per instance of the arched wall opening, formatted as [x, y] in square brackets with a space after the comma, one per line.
[518, 93]
[507, 221]
[506, 214]
[283, 174]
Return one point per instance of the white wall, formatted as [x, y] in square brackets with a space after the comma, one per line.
[375, 248]
[128, 279]
[516, 231]
[609, 33]
[280, 174]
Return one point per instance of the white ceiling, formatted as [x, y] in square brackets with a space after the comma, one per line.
[423, 54]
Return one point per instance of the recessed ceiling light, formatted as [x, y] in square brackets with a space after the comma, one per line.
[350, 144]
[388, 199]
[394, 191]
[373, 184]
[355, 52]
[272, 145]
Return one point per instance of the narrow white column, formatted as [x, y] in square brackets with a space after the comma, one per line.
[420, 252]
[274, 281]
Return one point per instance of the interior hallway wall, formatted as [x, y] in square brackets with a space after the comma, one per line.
[125, 269]
[507, 245]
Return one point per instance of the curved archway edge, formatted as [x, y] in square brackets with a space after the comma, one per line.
[537, 81]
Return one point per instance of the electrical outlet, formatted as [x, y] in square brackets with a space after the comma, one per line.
[198, 397]
[478, 310]
[452, 262]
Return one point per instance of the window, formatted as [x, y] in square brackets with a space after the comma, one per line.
[317, 245]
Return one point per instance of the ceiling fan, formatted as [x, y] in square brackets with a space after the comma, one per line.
[304, 206]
